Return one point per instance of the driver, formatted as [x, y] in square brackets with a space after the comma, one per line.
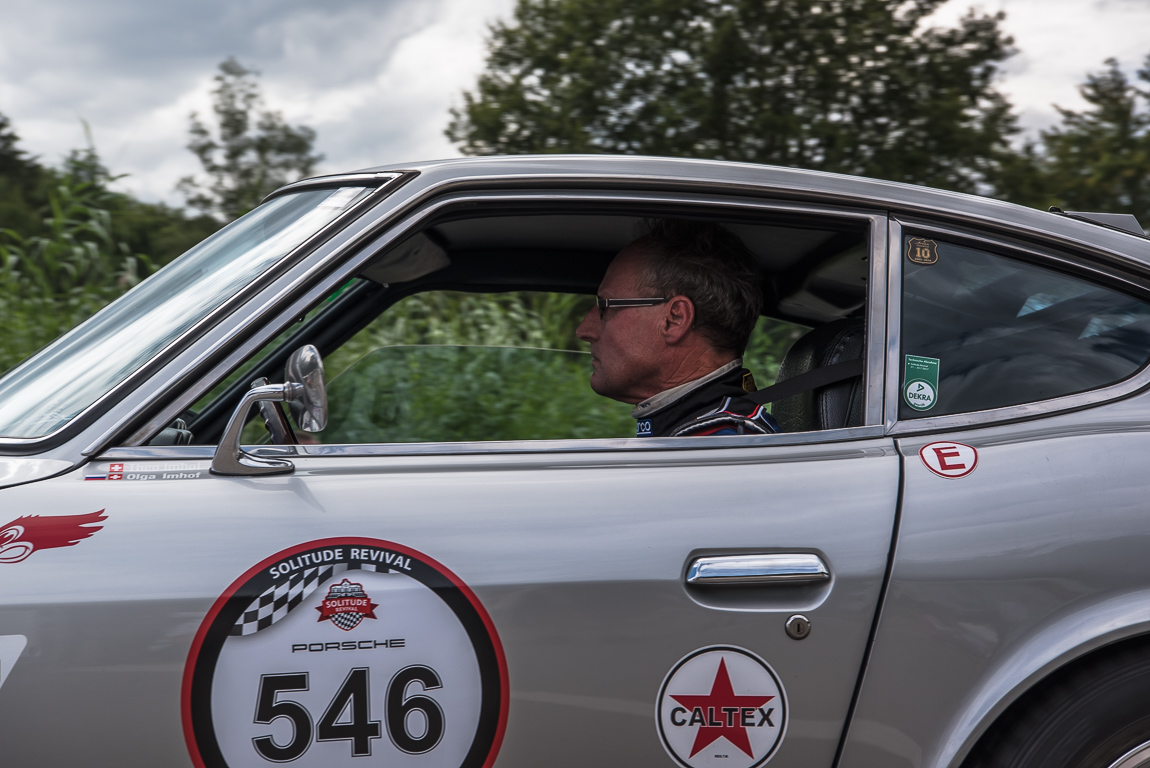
[674, 313]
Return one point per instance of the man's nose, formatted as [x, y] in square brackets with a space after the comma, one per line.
[588, 330]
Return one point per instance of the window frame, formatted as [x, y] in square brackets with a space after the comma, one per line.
[1065, 261]
[406, 222]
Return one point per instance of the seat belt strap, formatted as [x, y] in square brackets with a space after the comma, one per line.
[805, 382]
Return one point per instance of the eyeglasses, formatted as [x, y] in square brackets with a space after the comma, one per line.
[605, 304]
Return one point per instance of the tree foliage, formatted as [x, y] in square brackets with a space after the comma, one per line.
[20, 181]
[69, 244]
[853, 86]
[253, 152]
[1097, 159]
[49, 282]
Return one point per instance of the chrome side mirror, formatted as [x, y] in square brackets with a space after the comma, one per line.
[309, 407]
[306, 395]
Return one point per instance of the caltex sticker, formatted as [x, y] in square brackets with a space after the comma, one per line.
[721, 706]
[344, 649]
[921, 376]
[949, 459]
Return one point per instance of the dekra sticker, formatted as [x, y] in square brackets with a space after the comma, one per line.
[920, 374]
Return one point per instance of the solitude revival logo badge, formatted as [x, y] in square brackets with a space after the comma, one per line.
[721, 706]
[346, 605]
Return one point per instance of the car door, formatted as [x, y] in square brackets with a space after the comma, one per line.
[525, 603]
[1023, 514]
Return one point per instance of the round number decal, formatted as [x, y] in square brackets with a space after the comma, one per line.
[341, 649]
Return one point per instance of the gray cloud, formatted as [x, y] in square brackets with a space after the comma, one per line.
[375, 78]
[135, 70]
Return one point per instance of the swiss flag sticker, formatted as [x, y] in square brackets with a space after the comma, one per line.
[949, 459]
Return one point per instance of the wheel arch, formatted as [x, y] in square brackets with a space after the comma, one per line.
[1103, 627]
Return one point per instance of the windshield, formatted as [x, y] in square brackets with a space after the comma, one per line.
[52, 387]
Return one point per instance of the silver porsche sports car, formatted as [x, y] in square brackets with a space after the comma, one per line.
[216, 553]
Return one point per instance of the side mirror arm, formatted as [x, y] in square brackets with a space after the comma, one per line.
[230, 458]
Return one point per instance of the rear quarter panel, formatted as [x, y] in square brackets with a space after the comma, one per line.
[999, 577]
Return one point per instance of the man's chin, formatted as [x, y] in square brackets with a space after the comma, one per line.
[603, 389]
[600, 387]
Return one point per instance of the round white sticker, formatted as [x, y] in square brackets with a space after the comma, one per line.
[721, 706]
[949, 459]
[343, 649]
[919, 394]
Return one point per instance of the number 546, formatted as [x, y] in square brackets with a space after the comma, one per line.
[353, 695]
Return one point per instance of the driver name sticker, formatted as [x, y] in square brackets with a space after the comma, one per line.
[149, 470]
[921, 376]
[721, 706]
[343, 649]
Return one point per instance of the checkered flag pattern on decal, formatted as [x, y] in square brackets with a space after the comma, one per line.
[346, 621]
[280, 600]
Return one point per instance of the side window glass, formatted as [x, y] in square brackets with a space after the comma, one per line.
[444, 366]
[982, 331]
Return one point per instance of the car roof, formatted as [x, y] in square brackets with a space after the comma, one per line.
[766, 180]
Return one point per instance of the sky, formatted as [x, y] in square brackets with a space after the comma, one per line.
[376, 78]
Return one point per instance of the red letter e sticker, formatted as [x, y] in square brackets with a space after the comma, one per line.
[949, 459]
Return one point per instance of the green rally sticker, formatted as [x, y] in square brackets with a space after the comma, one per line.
[921, 377]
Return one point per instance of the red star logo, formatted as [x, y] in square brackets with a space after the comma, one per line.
[723, 713]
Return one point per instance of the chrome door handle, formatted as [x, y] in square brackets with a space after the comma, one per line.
[784, 568]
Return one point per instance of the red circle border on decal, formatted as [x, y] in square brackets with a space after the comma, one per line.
[232, 589]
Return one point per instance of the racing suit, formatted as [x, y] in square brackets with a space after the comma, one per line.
[715, 404]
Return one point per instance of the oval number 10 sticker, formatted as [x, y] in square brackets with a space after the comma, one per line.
[344, 649]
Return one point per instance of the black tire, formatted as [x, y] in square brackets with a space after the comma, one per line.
[1087, 715]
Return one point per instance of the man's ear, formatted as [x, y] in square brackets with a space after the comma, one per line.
[678, 319]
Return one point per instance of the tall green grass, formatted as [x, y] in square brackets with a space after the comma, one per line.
[51, 282]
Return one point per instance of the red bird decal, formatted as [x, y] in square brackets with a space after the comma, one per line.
[25, 535]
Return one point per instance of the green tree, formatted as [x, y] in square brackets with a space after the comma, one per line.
[253, 152]
[14, 162]
[1097, 159]
[853, 86]
[21, 178]
[73, 244]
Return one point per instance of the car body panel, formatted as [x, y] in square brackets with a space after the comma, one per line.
[1001, 576]
[558, 547]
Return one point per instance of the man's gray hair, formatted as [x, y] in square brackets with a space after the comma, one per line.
[714, 269]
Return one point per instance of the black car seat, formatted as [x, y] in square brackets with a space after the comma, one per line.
[833, 406]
